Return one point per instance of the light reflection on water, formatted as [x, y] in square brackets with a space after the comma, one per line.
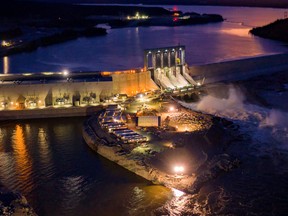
[60, 175]
[49, 163]
[237, 32]
[23, 166]
[6, 64]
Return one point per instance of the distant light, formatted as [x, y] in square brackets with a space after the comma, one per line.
[141, 96]
[171, 109]
[27, 74]
[178, 169]
[5, 43]
[39, 101]
[48, 73]
[65, 72]
[198, 83]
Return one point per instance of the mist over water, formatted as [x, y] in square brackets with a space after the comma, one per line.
[259, 185]
[263, 123]
[213, 105]
[276, 118]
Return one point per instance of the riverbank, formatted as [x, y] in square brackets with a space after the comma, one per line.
[50, 38]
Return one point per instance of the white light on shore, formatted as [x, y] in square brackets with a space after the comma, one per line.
[65, 72]
[178, 169]
[177, 193]
[171, 109]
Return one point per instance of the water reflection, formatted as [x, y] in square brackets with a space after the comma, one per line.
[47, 162]
[7, 168]
[5, 65]
[73, 192]
[23, 164]
[44, 150]
[143, 199]
[237, 32]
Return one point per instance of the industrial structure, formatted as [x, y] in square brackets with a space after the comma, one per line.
[164, 68]
[62, 89]
[167, 67]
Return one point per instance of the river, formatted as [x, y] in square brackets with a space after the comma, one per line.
[122, 49]
[48, 161]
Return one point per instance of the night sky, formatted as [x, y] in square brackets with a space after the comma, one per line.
[283, 3]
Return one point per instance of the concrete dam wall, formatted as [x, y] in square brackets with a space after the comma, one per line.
[36, 94]
[240, 69]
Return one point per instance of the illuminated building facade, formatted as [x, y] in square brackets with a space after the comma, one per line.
[62, 89]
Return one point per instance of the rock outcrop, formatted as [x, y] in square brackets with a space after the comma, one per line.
[14, 204]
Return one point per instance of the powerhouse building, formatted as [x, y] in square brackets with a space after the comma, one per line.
[164, 68]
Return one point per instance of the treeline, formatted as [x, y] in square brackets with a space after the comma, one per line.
[277, 30]
[60, 37]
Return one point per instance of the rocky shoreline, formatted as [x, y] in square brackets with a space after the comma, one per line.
[139, 167]
[14, 204]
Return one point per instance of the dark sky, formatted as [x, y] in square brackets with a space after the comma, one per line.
[277, 3]
[175, 1]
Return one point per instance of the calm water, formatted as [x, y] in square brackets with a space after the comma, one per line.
[49, 163]
[123, 48]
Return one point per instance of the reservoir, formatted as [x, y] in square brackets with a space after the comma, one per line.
[122, 49]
